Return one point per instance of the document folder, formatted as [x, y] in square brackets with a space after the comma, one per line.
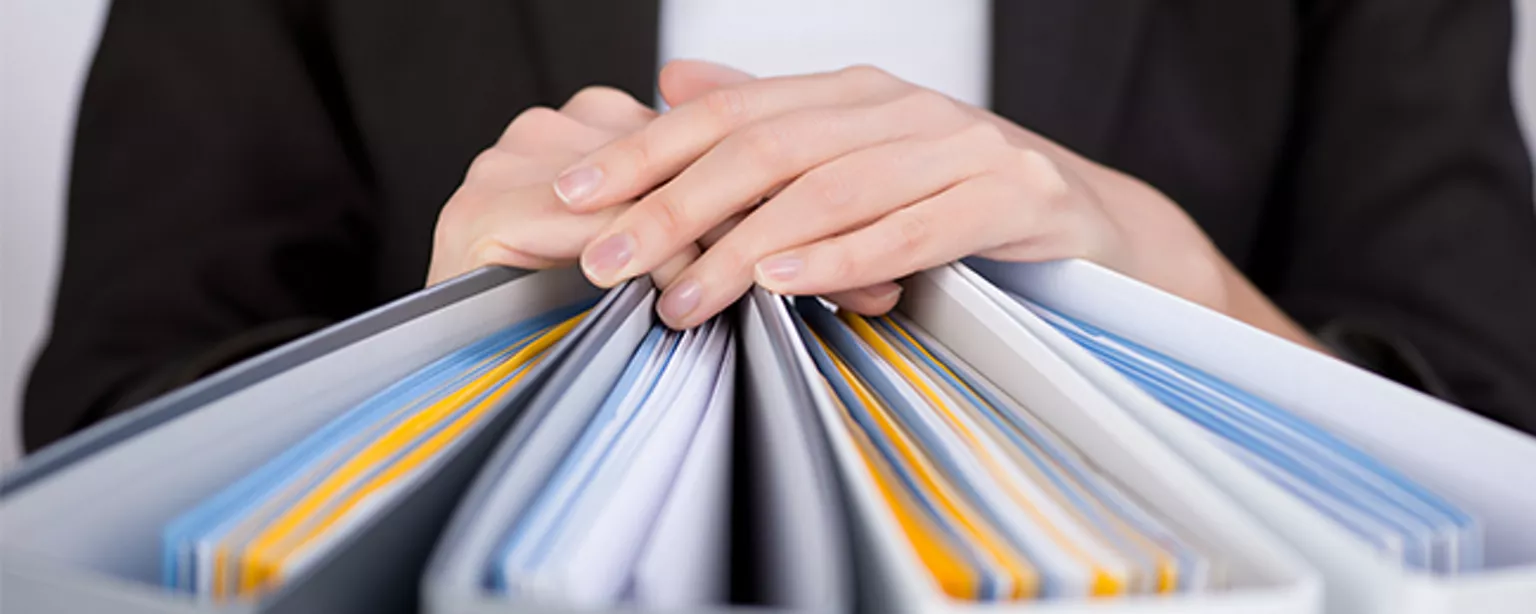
[1038, 437]
[83, 536]
[1261, 574]
[1470, 460]
[783, 512]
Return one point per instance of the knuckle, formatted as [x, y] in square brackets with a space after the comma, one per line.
[488, 164]
[924, 102]
[601, 96]
[867, 75]
[764, 144]
[632, 152]
[984, 134]
[671, 214]
[839, 265]
[913, 232]
[531, 121]
[728, 105]
[1042, 177]
[829, 188]
[498, 169]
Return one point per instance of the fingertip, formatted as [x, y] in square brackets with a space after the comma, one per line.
[875, 300]
[577, 186]
[683, 80]
[781, 273]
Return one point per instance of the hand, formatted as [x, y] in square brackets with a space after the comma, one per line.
[506, 212]
[837, 184]
[867, 179]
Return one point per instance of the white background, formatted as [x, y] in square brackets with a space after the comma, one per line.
[44, 48]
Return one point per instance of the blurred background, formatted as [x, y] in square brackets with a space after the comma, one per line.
[45, 46]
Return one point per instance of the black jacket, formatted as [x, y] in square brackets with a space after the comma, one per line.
[247, 170]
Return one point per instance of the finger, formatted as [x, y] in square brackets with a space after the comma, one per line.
[524, 227]
[719, 232]
[608, 108]
[556, 236]
[666, 274]
[541, 131]
[970, 217]
[842, 195]
[736, 173]
[638, 162]
[874, 300]
[684, 80]
[848, 193]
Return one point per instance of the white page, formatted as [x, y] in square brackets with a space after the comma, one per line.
[1358, 578]
[684, 561]
[1472, 460]
[1053, 557]
[544, 434]
[544, 513]
[1415, 517]
[1088, 481]
[1262, 571]
[590, 565]
[804, 541]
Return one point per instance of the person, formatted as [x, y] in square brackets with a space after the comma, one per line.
[1347, 174]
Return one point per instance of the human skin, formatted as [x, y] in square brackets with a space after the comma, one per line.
[833, 184]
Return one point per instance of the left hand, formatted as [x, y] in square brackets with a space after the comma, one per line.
[867, 179]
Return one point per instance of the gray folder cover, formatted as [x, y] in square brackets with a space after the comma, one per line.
[240, 376]
[454, 579]
[788, 520]
[376, 569]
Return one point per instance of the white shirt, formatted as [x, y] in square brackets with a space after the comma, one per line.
[940, 44]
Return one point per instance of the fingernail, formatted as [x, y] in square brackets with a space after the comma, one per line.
[578, 183]
[782, 268]
[882, 292]
[608, 257]
[721, 74]
[679, 300]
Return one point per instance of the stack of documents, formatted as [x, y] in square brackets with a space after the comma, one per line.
[627, 515]
[1401, 518]
[278, 520]
[1050, 436]
[996, 505]
[1403, 503]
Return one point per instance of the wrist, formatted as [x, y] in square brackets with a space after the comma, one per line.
[1156, 242]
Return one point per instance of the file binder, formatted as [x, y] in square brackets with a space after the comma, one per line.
[997, 507]
[808, 526]
[82, 536]
[1263, 574]
[1465, 457]
[801, 531]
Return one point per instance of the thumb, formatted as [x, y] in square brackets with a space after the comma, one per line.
[684, 80]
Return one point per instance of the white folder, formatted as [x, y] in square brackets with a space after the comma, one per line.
[1263, 574]
[1485, 467]
[785, 520]
[79, 523]
[82, 536]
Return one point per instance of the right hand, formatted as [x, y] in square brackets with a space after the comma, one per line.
[506, 212]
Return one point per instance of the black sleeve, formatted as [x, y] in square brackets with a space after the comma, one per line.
[214, 207]
[1405, 227]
